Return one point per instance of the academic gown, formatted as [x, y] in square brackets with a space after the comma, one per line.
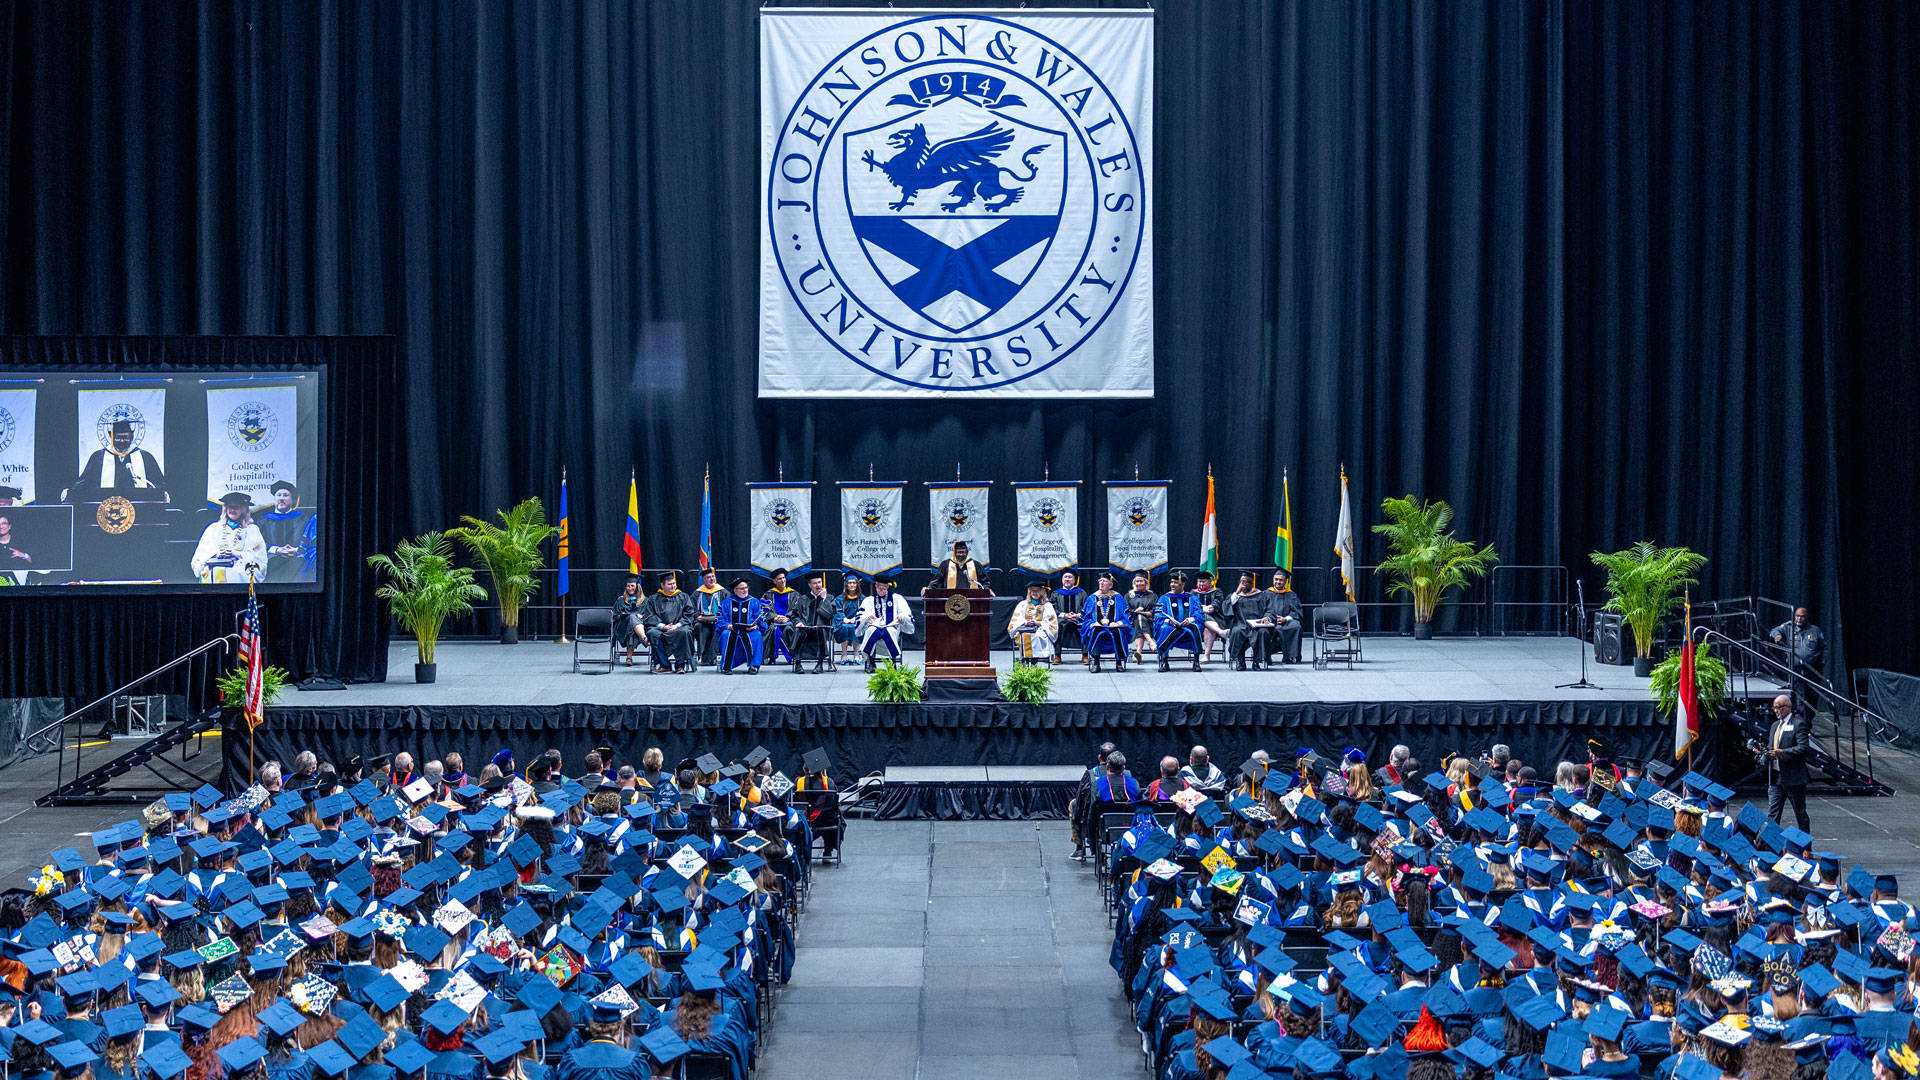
[1169, 627]
[295, 528]
[812, 626]
[600, 1060]
[773, 604]
[225, 537]
[1286, 604]
[1068, 602]
[1100, 640]
[846, 623]
[952, 575]
[727, 1036]
[669, 646]
[883, 619]
[706, 628]
[1245, 632]
[629, 615]
[135, 474]
[298, 1066]
[741, 623]
[1034, 627]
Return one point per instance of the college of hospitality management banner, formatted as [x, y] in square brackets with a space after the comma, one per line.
[1137, 525]
[252, 440]
[1049, 526]
[781, 517]
[956, 205]
[870, 527]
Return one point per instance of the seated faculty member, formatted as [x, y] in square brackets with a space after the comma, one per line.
[1253, 629]
[958, 571]
[776, 609]
[1034, 626]
[1105, 626]
[706, 626]
[668, 618]
[629, 621]
[813, 614]
[884, 616]
[1284, 605]
[1176, 621]
[1213, 624]
[846, 623]
[1068, 599]
[742, 622]
[1141, 604]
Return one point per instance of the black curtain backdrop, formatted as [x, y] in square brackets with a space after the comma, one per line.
[1592, 272]
[82, 646]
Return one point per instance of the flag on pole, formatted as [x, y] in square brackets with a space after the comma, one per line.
[1343, 538]
[632, 540]
[1686, 713]
[706, 520]
[564, 582]
[253, 656]
[1210, 533]
[1283, 535]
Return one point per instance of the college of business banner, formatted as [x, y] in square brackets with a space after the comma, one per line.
[1137, 525]
[956, 204]
[1049, 526]
[782, 526]
[145, 410]
[253, 440]
[870, 528]
[16, 441]
[958, 512]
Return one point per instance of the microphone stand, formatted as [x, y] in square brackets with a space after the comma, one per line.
[1580, 636]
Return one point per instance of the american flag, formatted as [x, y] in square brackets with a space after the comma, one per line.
[253, 656]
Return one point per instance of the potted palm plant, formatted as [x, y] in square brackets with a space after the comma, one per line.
[1643, 587]
[423, 588]
[1426, 559]
[510, 551]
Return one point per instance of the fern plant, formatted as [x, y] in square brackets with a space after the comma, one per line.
[1426, 559]
[424, 587]
[895, 684]
[1028, 684]
[1709, 682]
[510, 552]
[233, 685]
[1644, 584]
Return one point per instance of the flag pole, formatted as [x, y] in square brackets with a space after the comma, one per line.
[563, 639]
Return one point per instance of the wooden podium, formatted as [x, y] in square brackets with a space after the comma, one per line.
[959, 634]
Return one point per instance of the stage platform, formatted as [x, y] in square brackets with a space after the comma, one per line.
[972, 792]
[1395, 669]
[1447, 695]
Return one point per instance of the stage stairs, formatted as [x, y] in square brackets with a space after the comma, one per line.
[91, 788]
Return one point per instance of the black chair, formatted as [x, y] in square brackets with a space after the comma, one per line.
[829, 828]
[702, 1065]
[1336, 634]
[592, 626]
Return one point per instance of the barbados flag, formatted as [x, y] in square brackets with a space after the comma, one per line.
[564, 583]
[632, 540]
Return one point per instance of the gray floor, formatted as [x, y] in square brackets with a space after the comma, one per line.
[953, 951]
[1396, 669]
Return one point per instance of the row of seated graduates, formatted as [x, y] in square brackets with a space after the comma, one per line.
[517, 930]
[1622, 930]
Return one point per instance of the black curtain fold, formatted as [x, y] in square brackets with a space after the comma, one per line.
[84, 645]
[1592, 272]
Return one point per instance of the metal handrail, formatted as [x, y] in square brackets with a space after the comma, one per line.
[111, 694]
[1557, 583]
[1878, 725]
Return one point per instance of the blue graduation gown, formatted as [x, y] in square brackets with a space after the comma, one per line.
[1105, 640]
[728, 1037]
[298, 1066]
[1167, 628]
[602, 1061]
[777, 602]
[745, 645]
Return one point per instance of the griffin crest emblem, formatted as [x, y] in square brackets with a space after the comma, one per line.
[965, 161]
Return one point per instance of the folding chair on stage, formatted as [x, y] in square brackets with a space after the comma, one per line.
[592, 626]
[1336, 634]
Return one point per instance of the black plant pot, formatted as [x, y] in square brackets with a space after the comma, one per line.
[1643, 667]
[424, 673]
[509, 635]
[1423, 631]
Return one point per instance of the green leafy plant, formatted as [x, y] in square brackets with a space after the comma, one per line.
[233, 685]
[1644, 583]
[424, 587]
[1426, 559]
[1028, 684]
[893, 684]
[1709, 681]
[510, 552]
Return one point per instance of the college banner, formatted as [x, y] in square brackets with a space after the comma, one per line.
[16, 441]
[782, 526]
[870, 528]
[1049, 526]
[1137, 525]
[958, 511]
[139, 417]
[956, 204]
[253, 440]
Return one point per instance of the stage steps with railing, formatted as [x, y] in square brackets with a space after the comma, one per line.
[92, 787]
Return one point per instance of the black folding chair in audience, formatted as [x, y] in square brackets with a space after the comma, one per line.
[703, 1065]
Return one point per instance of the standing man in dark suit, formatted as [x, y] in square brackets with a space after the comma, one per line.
[1786, 755]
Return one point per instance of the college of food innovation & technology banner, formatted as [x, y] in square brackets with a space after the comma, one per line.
[1137, 525]
[956, 204]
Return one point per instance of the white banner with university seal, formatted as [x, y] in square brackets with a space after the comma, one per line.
[144, 410]
[956, 204]
[253, 440]
[781, 517]
[1049, 526]
[870, 528]
[17, 441]
[1137, 525]
[958, 511]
